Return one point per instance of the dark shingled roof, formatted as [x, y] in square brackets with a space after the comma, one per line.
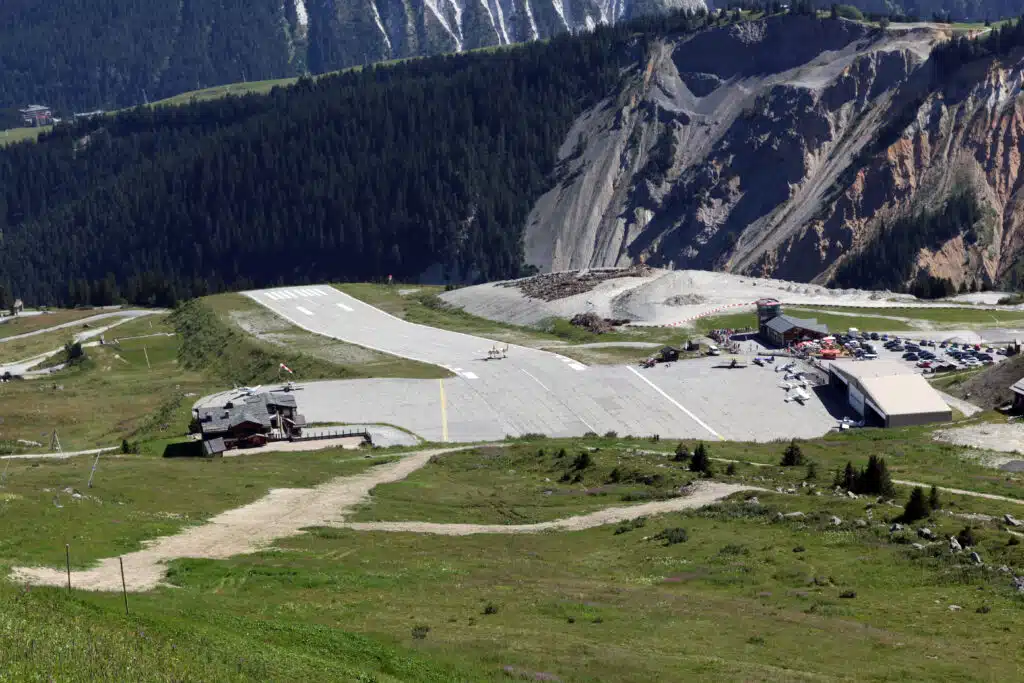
[254, 409]
[785, 323]
[214, 446]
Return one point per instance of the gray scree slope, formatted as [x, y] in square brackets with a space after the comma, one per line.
[530, 391]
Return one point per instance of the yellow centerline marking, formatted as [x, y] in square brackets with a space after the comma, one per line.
[444, 413]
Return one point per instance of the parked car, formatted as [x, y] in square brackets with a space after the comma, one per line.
[871, 355]
[875, 336]
[910, 355]
[924, 364]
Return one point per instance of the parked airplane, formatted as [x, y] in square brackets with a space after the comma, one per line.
[248, 391]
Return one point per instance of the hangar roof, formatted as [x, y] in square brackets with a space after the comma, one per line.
[893, 387]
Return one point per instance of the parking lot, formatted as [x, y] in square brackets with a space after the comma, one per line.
[930, 355]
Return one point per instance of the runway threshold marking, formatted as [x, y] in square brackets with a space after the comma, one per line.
[677, 404]
[300, 309]
[345, 307]
[444, 413]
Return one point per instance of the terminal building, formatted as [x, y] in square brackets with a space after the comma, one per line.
[779, 329]
[888, 394]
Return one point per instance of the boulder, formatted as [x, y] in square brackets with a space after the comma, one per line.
[926, 534]
[835, 521]
[918, 546]
[753, 500]
[895, 527]
[861, 523]
[954, 545]
[1018, 583]
[976, 558]
[955, 608]
[1011, 520]
[794, 515]
[851, 494]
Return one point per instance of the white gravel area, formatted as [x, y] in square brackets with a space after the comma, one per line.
[1005, 438]
[673, 296]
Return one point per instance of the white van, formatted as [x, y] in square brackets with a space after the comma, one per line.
[713, 350]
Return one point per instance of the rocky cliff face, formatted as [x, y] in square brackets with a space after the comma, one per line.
[755, 148]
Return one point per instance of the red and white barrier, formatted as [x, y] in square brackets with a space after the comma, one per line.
[711, 312]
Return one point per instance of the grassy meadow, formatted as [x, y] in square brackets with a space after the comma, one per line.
[740, 598]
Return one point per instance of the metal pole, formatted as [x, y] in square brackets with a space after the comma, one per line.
[93, 473]
[67, 559]
[124, 589]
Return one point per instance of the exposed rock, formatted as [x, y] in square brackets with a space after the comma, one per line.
[976, 558]
[861, 523]
[954, 545]
[794, 515]
[895, 527]
[753, 500]
[926, 533]
[851, 494]
[955, 608]
[918, 546]
[835, 521]
[1011, 520]
[1018, 583]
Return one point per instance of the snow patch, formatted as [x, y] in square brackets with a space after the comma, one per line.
[432, 6]
[560, 8]
[501, 22]
[302, 16]
[380, 24]
[534, 33]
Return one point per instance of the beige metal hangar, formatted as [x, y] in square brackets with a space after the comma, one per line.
[888, 394]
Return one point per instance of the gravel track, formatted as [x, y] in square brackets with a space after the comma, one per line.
[279, 514]
[704, 493]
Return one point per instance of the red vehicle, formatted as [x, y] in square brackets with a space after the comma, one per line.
[924, 364]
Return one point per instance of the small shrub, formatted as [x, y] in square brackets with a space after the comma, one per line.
[916, 507]
[420, 631]
[611, 434]
[541, 453]
[755, 640]
[561, 453]
[615, 476]
[682, 453]
[701, 461]
[598, 620]
[490, 608]
[673, 536]
[933, 499]
[632, 524]
[655, 438]
[793, 456]
[799, 549]
[571, 620]
[589, 435]
[812, 471]
[582, 461]
[848, 594]
[734, 549]
[966, 537]
[730, 469]
[984, 609]
[1013, 541]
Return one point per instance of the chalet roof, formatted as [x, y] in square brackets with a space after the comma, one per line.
[1018, 387]
[214, 446]
[255, 409]
[785, 323]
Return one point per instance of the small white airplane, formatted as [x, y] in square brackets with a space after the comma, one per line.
[248, 391]
[785, 368]
[798, 395]
[495, 353]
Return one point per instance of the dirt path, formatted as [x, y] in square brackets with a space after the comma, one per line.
[703, 493]
[281, 513]
[962, 492]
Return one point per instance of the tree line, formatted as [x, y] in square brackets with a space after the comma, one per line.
[428, 165]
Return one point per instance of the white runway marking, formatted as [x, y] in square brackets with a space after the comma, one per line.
[535, 380]
[287, 294]
[677, 404]
[300, 309]
[345, 307]
[272, 296]
[470, 375]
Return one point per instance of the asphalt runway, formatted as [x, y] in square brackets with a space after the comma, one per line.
[531, 391]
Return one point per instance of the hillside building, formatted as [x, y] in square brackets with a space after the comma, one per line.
[35, 115]
[888, 394]
[1018, 394]
[249, 421]
[779, 329]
